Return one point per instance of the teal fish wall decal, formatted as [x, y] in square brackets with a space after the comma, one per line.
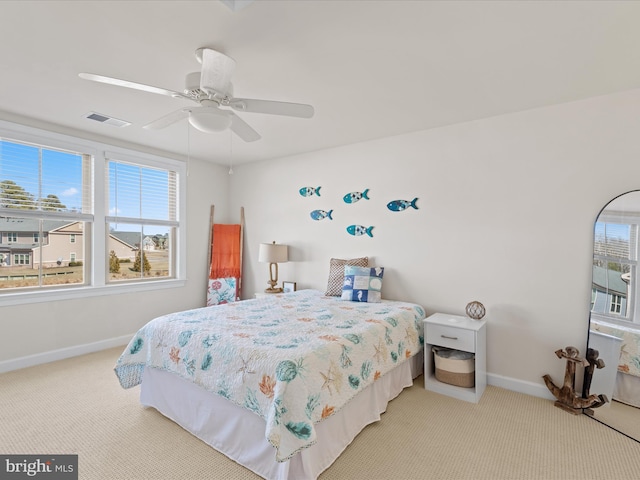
[308, 191]
[321, 214]
[358, 230]
[353, 197]
[399, 205]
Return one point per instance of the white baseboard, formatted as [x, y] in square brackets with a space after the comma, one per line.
[61, 354]
[520, 386]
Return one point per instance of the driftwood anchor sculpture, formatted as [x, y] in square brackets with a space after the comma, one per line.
[567, 399]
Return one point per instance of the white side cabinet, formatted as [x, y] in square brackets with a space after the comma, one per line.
[263, 294]
[460, 333]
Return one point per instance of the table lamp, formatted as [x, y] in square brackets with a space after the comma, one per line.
[273, 254]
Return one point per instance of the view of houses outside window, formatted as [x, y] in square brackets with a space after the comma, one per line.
[614, 270]
[47, 218]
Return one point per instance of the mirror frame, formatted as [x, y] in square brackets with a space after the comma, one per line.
[589, 335]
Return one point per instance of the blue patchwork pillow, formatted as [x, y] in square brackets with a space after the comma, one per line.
[362, 284]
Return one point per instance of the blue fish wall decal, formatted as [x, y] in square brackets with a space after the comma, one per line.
[308, 191]
[353, 197]
[321, 214]
[358, 230]
[399, 205]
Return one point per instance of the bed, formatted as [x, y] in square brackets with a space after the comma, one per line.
[280, 384]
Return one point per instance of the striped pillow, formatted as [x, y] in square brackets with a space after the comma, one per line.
[336, 274]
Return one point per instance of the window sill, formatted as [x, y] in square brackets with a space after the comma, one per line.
[85, 292]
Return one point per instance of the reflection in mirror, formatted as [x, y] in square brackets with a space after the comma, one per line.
[614, 327]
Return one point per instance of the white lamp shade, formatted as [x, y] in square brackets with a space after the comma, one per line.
[209, 119]
[273, 253]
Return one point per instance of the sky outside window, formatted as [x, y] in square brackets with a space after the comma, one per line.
[61, 172]
[137, 192]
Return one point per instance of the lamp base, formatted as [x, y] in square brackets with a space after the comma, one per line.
[273, 280]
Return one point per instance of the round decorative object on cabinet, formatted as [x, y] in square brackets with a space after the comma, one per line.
[475, 310]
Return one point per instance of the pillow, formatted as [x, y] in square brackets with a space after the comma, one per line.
[336, 273]
[362, 284]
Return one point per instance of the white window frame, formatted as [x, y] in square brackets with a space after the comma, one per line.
[96, 284]
[615, 306]
[21, 259]
[118, 158]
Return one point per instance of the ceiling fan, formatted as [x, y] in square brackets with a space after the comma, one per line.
[212, 90]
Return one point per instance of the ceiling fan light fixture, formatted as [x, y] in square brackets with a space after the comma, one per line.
[210, 120]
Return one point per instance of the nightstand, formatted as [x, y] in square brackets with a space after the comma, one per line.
[263, 294]
[459, 333]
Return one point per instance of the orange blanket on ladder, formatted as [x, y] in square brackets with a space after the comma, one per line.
[226, 264]
[226, 256]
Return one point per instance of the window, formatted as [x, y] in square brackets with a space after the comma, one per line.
[616, 304]
[42, 189]
[141, 221]
[21, 259]
[68, 200]
[614, 269]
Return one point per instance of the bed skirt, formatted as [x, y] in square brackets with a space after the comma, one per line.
[627, 389]
[240, 434]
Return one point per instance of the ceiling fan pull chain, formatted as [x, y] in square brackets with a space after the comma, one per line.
[230, 153]
[188, 144]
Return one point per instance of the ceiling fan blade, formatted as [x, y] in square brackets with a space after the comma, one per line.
[217, 70]
[167, 120]
[242, 129]
[137, 86]
[271, 107]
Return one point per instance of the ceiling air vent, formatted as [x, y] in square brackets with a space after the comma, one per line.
[99, 117]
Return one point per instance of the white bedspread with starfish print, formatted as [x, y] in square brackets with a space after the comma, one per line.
[293, 359]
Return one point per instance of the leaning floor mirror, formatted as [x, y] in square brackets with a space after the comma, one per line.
[614, 324]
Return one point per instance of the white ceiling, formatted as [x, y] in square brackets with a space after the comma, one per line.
[371, 69]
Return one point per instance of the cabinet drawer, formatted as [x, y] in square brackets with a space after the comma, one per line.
[451, 337]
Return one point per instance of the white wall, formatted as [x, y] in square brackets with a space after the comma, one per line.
[506, 212]
[39, 332]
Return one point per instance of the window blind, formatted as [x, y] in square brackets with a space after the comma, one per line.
[615, 241]
[141, 194]
[39, 180]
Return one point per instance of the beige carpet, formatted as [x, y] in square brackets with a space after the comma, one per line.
[77, 406]
[620, 416]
